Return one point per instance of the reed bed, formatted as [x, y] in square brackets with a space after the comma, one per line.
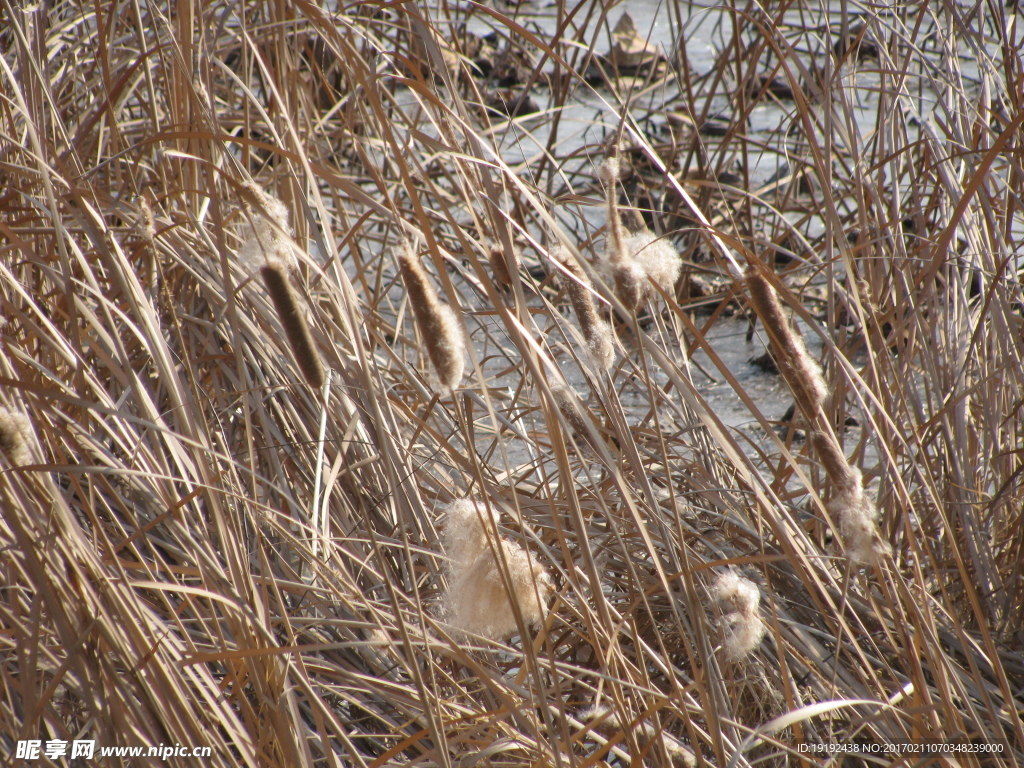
[247, 504]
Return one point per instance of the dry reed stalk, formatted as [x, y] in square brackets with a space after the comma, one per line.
[275, 278]
[596, 332]
[437, 322]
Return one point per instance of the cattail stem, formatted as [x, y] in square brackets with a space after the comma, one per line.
[629, 280]
[294, 321]
[439, 327]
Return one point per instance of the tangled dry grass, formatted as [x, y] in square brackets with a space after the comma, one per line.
[199, 547]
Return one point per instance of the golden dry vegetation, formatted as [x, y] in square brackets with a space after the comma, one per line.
[243, 246]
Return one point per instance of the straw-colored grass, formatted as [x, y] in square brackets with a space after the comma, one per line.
[186, 557]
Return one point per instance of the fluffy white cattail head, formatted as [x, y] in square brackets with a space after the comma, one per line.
[742, 624]
[853, 509]
[469, 525]
[16, 437]
[477, 600]
[858, 521]
[657, 258]
[267, 234]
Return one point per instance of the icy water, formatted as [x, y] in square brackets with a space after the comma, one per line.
[588, 118]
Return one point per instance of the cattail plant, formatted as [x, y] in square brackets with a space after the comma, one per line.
[268, 232]
[596, 332]
[15, 437]
[437, 322]
[477, 599]
[856, 513]
[606, 721]
[634, 261]
[742, 624]
[499, 266]
[275, 278]
[800, 371]
[574, 413]
[627, 277]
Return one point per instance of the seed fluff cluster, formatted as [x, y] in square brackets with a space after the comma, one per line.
[633, 263]
[16, 437]
[476, 600]
[741, 622]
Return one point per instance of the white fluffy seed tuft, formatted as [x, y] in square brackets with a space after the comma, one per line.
[742, 624]
[477, 600]
[16, 437]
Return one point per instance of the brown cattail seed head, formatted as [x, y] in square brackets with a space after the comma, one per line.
[840, 473]
[800, 371]
[275, 278]
[438, 324]
[499, 267]
[596, 331]
[629, 282]
[15, 437]
[572, 411]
